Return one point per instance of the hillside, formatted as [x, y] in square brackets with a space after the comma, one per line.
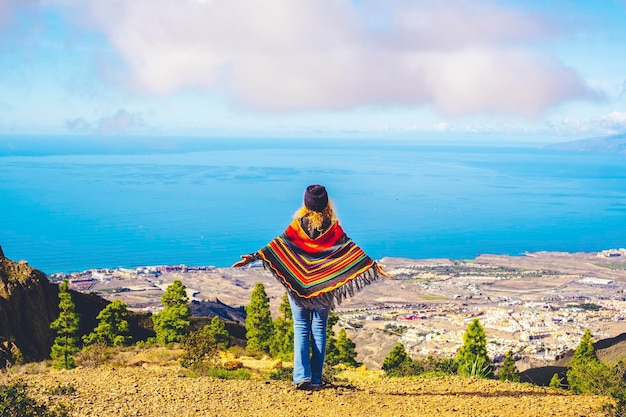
[612, 143]
[29, 303]
[151, 390]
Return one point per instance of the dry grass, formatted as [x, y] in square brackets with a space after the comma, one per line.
[148, 382]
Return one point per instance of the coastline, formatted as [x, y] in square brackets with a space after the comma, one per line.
[536, 305]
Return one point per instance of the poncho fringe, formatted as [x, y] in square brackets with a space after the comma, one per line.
[318, 272]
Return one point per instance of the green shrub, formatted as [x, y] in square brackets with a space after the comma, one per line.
[329, 374]
[237, 351]
[509, 371]
[222, 373]
[343, 351]
[201, 348]
[281, 374]
[436, 366]
[556, 381]
[15, 402]
[398, 362]
[62, 390]
[94, 355]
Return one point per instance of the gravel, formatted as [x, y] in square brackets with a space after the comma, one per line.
[158, 390]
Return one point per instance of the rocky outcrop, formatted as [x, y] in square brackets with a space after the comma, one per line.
[9, 354]
[208, 308]
[28, 303]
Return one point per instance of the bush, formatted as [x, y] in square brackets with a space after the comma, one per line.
[509, 371]
[94, 355]
[202, 346]
[436, 366]
[343, 351]
[398, 362]
[15, 402]
[62, 390]
[556, 381]
[237, 351]
[281, 374]
[329, 374]
[222, 373]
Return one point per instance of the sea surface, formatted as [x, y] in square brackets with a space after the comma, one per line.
[75, 204]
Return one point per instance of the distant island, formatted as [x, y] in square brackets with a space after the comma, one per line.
[611, 143]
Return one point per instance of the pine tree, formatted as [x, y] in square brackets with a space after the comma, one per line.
[171, 324]
[586, 373]
[66, 326]
[217, 331]
[472, 356]
[346, 347]
[556, 381]
[112, 328]
[397, 362]
[509, 371]
[585, 351]
[332, 352]
[259, 325]
[282, 340]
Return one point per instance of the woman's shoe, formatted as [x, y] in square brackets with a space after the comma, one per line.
[303, 385]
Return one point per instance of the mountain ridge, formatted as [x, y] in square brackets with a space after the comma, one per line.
[611, 143]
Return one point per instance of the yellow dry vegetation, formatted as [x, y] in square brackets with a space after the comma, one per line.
[155, 386]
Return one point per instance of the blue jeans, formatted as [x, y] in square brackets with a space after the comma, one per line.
[309, 343]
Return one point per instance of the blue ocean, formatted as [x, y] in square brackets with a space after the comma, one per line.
[70, 204]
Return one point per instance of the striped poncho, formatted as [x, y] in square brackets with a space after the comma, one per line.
[318, 272]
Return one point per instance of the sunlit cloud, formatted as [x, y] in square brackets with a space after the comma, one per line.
[282, 55]
[608, 124]
[614, 122]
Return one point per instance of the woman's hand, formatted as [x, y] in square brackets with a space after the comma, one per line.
[382, 272]
[246, 259]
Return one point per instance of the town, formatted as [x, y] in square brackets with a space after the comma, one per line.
[536, 305]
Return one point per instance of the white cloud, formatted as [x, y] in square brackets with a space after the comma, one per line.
[614, 122]
[122, 121]
[608, 124]
[284, 55]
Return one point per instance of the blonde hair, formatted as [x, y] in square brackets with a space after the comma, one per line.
[316, 218]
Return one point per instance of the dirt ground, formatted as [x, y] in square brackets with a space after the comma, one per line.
[155, 390]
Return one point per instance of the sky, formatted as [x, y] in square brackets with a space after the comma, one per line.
[307, 68]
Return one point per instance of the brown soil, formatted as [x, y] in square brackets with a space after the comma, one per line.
[156, 390]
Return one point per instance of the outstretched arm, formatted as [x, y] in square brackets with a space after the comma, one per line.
[381, 271]
[245, 260]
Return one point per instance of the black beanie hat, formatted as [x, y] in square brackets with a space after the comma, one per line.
[315, 197]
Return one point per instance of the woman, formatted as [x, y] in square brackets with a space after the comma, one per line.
[319, 266]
